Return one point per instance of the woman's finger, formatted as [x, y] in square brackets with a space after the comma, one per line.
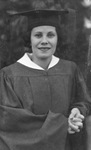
[74, 127]
[76, 120]
[79, 124]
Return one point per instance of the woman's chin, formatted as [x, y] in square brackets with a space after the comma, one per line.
[45, 56]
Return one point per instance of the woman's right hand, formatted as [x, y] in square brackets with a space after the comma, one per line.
[75, 121]
[75, 125]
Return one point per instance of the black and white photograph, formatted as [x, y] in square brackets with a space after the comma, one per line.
[45, 74]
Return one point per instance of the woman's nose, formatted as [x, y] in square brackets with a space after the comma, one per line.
[44, 40]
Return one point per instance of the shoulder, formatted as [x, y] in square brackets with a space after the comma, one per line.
[11, 70]
[68, 65]
[68, 62]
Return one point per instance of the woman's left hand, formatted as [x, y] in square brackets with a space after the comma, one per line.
[75, 121]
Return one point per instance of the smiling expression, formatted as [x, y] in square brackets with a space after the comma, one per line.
[43, 41]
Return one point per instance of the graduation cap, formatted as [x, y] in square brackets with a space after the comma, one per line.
[39, 17]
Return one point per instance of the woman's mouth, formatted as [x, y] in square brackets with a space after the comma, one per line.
[44, 48]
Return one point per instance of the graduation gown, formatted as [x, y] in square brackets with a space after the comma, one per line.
[35, 104]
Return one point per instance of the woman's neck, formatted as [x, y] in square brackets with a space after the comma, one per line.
[44, 63]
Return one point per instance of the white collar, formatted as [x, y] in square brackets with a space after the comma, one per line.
[25, 60]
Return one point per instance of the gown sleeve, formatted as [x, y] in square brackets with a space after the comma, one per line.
[81, 98]
[21, 129]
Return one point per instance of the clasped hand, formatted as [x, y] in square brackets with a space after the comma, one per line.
[75, 121]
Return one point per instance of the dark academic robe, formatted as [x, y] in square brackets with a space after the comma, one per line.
[35, 105]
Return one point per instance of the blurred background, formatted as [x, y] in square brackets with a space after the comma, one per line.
[76, 45]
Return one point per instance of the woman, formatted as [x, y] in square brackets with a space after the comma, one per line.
[42, 98]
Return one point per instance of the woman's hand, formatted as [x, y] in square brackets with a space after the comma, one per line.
[75, 121]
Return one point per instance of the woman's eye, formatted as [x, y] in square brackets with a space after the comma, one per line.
[50, 35]
[38, 35]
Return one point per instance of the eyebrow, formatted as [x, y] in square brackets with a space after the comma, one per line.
[47, 31]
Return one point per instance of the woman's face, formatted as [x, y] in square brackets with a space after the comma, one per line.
[43, 41]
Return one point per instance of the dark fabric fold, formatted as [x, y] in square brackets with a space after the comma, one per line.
[20, 129]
